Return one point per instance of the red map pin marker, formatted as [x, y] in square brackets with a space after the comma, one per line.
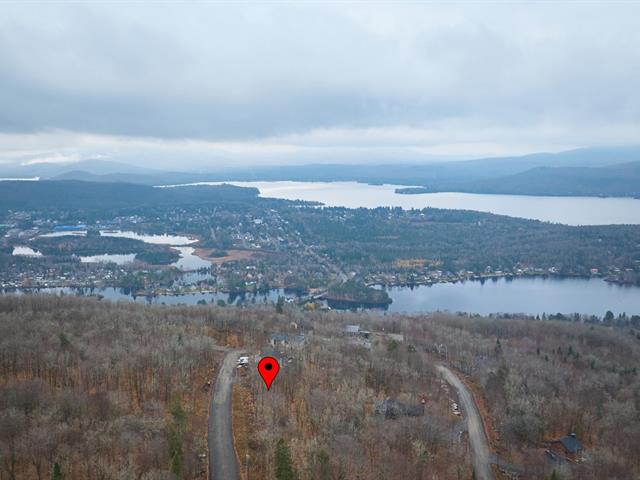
[268, 368]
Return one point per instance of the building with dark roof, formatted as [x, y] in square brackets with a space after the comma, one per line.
[568, 447]
[571, 444]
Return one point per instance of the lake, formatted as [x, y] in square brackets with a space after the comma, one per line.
[532, 296]
[567, 210]
[119, 294]
[22, 251]
[188, 261]
[117, 258]
[158, 239]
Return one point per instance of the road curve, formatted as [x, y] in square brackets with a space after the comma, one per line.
[223, 464]
[481, 457]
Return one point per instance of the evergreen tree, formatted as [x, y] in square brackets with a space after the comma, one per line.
[57, 472]
[280, 304]
[178, 413]
[176, 430]
[64, 341]
[175, 450]
[320, 465]
[284, 466]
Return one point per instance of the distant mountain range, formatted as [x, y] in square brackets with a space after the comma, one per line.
[92, 166]
[611, 171]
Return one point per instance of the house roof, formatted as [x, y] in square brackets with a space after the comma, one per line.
[352, 328]
[571, 444]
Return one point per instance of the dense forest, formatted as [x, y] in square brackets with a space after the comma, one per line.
[619, 180]
[535, 381]
[459, 239]
[93, 389]
[544, 379]
[615, 180]
[78, 195]
[353, 293]
[350, 406]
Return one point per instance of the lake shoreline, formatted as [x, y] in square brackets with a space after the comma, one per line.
[203, 288]
[566, 209]
[411, 190]
[165, 291]
[530, 296]
[507, 276]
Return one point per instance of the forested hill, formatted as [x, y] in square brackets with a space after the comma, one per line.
[75, 194]
[614, 180]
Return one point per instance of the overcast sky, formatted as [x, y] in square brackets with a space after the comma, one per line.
[198, 85]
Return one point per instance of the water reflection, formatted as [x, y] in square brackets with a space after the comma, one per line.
[156, 239]
[119, 259]
[117, 294]
[25, 252]
[189, 260]
[532, 296]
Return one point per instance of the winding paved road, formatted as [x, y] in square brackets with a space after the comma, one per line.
[481, 456]
[223, 464]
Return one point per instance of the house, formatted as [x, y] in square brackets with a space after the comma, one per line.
[571, 444]
[279, 339]
[568, 446]
[356, 330]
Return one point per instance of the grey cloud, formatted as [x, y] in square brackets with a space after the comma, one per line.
[248, 72]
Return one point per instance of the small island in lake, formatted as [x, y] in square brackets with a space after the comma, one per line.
[352, 294]
[413, 190]
[166, 256]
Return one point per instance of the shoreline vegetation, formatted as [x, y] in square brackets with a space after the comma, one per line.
[414, 190]
[347, 300]
[423, 190]
[163, 257]
[96, 244]
[353, 293]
